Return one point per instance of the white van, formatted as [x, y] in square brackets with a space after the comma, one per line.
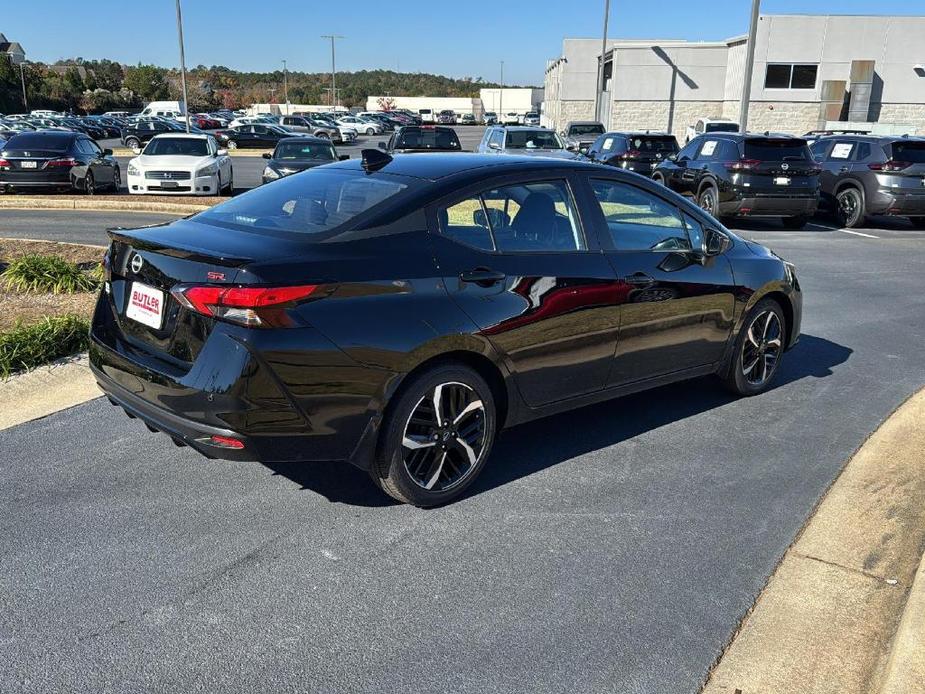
[427, 115]
[164, 109]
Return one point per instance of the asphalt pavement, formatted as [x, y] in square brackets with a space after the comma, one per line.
[610, 549]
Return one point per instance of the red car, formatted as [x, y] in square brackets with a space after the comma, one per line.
[204, 122]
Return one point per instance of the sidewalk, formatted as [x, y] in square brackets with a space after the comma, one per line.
[845, 610]
[46, 390]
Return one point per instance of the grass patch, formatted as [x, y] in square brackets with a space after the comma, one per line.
[48, 273]
[27, 346]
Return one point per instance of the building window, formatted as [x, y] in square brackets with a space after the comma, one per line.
[788, 76]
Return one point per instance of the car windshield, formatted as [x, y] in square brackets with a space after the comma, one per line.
[532, 139]
[777, 150]
[722, 127]
[313, 203]
[304, 150]
[421, 138]
[913, 152]
[586, 129]
[660, 145]
[177, 146]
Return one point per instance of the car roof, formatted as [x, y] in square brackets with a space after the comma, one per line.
[434, 165]
[531, 128]
[183, 135]
[307, 138]
[875, 138]
[638, 133]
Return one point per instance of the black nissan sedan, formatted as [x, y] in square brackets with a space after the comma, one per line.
[295, 154]
[57, 159]
[396, 314]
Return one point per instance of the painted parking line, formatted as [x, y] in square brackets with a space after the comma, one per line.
[859, 233]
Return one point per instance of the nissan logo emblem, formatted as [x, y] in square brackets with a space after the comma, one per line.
[785, 166]
[137, 262]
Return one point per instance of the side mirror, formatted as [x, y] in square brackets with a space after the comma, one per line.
[583, 150]
[107, 152]
[494, 145]
[344, 157]
[221, 153]
[672, 157]
[267, 155]
[571, 148]
[715, 243]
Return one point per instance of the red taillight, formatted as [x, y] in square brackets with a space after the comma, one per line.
[65, 161]
[742, 164]
[889, 166]
[226, 442]
[631, 154]
[251, 306]
[4, 164]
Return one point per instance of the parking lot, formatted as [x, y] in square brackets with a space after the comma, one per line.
[614, 548]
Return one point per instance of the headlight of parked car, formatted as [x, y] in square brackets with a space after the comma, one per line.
[132, 171]
[270, 173]
[209, 170]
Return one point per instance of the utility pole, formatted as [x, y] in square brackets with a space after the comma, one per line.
[333, 38]
[749, 66]
[286, 86]
[182, 67]
[501, 96]
[600, 64]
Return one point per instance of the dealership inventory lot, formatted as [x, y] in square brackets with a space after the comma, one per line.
[612, 548]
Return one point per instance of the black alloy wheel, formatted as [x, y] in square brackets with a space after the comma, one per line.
[849, 208]
[707, 200]
[758, 350]
[116, 180]
[658, 178]
[89, 184]
[437, 436]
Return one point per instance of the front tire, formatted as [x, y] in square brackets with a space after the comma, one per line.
[370, 131]
[849, 208]
[436, 436]
[89, 184]
[116, 180]
[758, 350]
[917, 222]
[232, 145]
[658, 178]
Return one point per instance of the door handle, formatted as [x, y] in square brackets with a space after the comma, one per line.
[482, 276]
[639, 278]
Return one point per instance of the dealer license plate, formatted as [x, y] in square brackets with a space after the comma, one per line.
[28, 164]
[146, 305]
[782, 181]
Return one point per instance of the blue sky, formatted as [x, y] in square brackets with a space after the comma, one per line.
[458, 38]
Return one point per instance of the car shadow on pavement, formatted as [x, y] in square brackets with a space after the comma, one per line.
[534, 446]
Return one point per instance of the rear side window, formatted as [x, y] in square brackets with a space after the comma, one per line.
[913, 152]
[467, 222]
[312, 203]
[638, 220]
[654, 145]
[777, 150]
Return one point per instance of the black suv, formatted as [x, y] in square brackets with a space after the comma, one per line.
[735, 174]
[137, 135]
[869, 174]
[634, 151]
[422, 138]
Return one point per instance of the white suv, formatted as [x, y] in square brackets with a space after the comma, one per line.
[710, 125]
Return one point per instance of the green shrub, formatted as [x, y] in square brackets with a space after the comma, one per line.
[48, 273]
[27, 346]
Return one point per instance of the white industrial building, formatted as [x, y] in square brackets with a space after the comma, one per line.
[809, 72]
[519, 100]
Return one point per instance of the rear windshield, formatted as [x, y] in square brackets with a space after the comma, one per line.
[313, 203]
[532, 139]
[419, 138]
[177, 146]
[653, 144]
[722, 127]
[777, 150]
[587, 129]
[304, 150]
[40, 140]
[913, 152]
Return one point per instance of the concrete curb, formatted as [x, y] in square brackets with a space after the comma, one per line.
[905, 671]
[91, 205]
[844, 611]
[46, 390]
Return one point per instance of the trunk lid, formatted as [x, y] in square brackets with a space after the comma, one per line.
[779, 166]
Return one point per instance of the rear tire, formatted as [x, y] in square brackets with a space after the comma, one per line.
[849, 208]
[758, 350]
[370, 131]
[436, 436]
[797, 222]
[658, 178]
[133, 143]
[708, 200]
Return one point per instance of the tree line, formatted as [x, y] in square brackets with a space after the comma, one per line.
[91, 86]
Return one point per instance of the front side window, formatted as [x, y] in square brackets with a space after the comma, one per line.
[790, 76]
[638, 220]
[497, 138]
[521, 218]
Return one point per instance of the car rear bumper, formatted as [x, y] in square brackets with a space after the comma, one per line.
[60, 178]
[770, 205]
[890, 202]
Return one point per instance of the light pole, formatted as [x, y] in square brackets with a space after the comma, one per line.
[286, 86]
[182, 67]
[333, 38]
[501, 96]
[749, 66]
[600, 63]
